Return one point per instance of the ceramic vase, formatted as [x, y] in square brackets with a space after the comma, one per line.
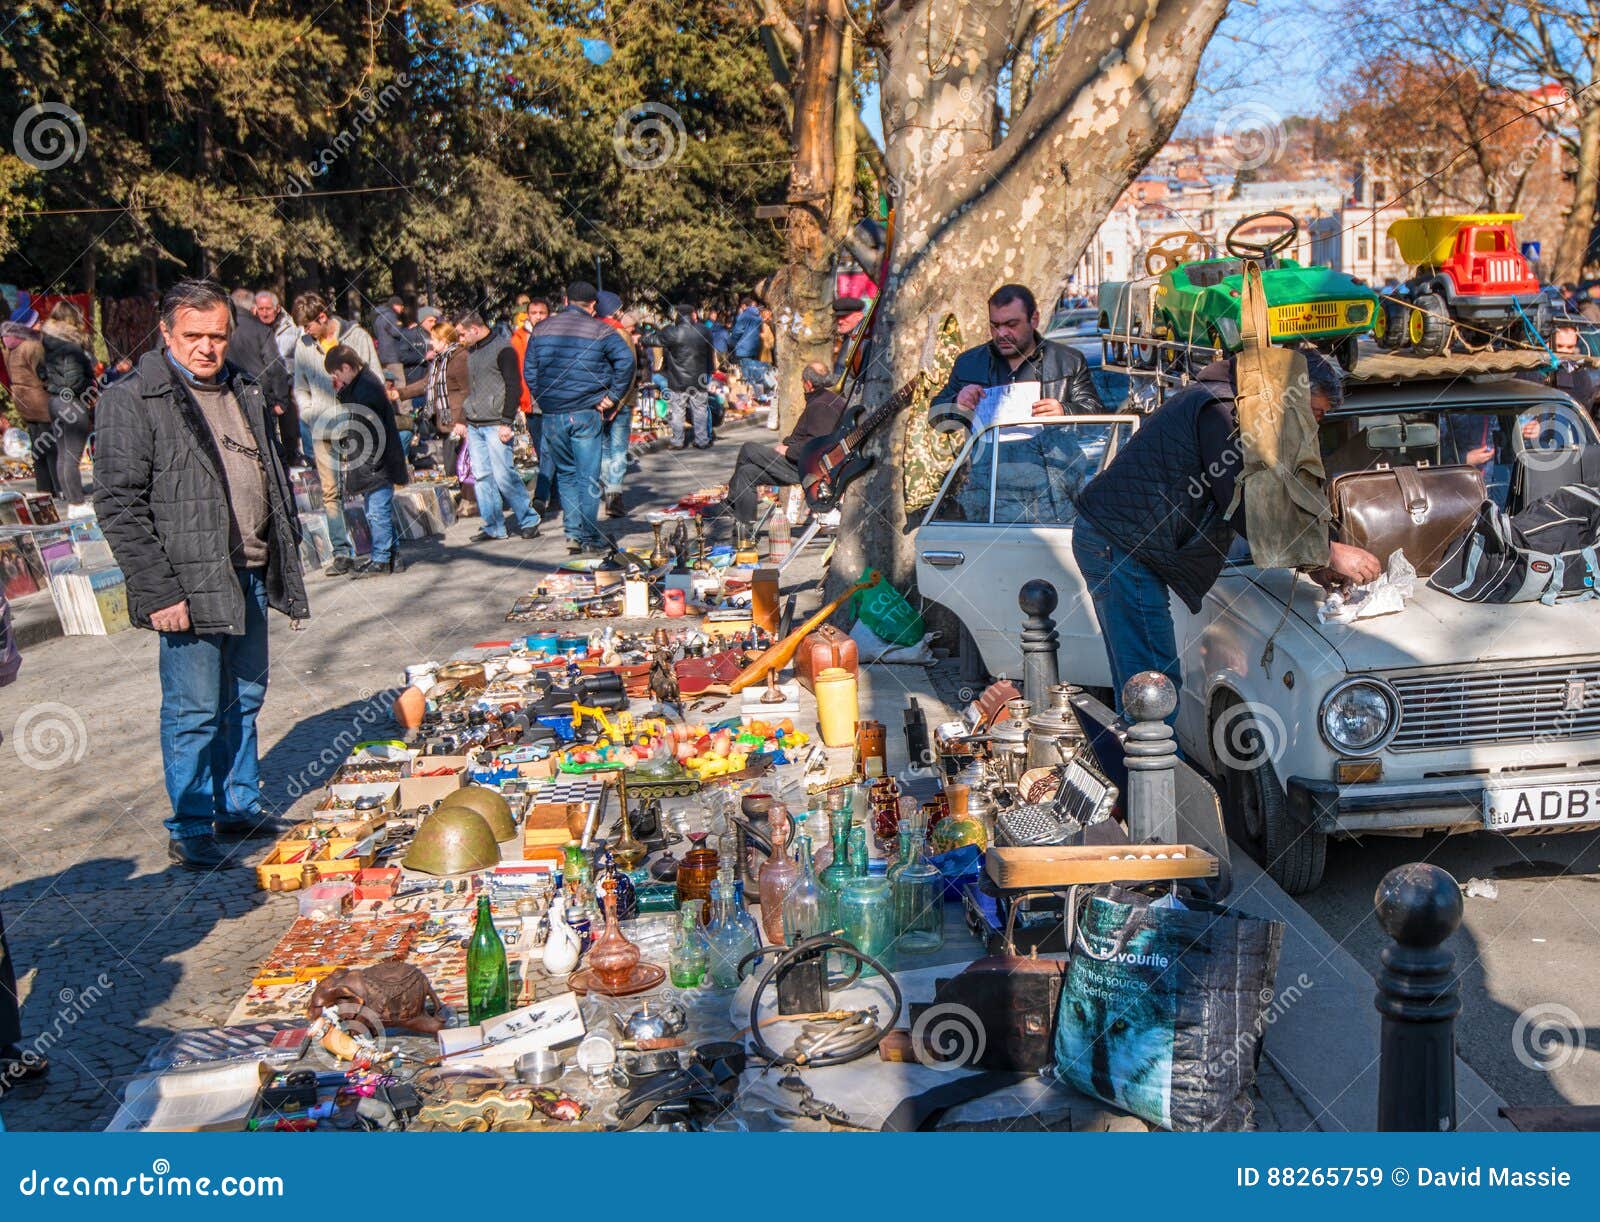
[561, 946]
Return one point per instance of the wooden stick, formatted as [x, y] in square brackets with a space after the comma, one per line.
[779, 655]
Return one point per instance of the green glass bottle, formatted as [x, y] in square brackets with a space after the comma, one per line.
[488, 981]
[904, 856]
[918, 892]
[838, 872]
[859, 860]
[687, 962]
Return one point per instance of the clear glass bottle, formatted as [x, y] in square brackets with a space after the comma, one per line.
[741, 913]
[866, 914]
[803, 906]
[837, 872]
[686, 963]
[918, 900]
[488, 978]
[728, 940]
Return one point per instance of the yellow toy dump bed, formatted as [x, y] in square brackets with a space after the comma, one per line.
[1426, 241]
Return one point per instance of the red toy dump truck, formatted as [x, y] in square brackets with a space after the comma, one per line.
[1468, 270]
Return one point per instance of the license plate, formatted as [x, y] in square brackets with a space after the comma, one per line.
[1514, 807]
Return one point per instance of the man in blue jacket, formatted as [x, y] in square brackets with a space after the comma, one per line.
[577, 369]
[746, 343]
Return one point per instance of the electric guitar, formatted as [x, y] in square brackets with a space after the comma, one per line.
[829, 463]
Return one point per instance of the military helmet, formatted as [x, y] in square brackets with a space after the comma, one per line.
[496, 811]
[453, 841]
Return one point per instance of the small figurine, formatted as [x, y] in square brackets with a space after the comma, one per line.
[389, 994]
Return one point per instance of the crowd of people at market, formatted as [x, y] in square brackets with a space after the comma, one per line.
[418, 388]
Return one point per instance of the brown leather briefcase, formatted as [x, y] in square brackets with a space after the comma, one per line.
[1420, 510]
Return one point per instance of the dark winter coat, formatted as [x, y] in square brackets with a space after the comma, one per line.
[377, 457]
[397, 343]
[574, 361]
[68, 368]
[163, 504]
[1156, 501]
[1059, 368]
[687, 357]
[253, 350]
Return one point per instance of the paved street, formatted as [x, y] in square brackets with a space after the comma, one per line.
[115, 950]
[1530, 951]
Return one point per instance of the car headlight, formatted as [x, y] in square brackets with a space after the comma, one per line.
[1355, 313]
[1359, 716]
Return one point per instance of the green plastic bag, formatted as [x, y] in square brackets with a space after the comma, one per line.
[888, 613]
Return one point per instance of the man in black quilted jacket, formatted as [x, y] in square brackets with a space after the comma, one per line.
[194, 499]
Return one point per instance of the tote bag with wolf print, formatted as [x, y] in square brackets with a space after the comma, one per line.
[1164, 1008]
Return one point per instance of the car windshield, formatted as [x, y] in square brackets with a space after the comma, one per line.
[1524, 451]
[1032, 471]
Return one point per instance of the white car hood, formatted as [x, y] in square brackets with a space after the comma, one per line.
[1438, 630]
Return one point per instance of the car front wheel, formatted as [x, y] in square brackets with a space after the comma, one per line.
[1256, 807]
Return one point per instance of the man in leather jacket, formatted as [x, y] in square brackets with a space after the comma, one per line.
[688, 359]
[1016, 352]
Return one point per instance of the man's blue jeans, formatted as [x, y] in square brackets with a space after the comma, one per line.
[496, 482]
[380, 522]
[1132, 606]
[572, 445]
[614, 449]
[212, 687]
[757, 374]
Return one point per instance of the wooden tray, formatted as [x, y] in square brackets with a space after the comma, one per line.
[1015, 869]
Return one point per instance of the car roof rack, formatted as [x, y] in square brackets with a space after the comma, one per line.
[1160, 366]
[1490, 364]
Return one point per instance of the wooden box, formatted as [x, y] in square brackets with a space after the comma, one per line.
[1065, 866]
[551, 824]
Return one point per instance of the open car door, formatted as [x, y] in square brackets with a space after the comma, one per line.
[1004, 516]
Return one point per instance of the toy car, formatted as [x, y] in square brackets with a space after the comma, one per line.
[1195, 301]
[1468, 271]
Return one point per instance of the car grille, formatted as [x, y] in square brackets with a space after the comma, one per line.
[1313, 316]
[1503, 706]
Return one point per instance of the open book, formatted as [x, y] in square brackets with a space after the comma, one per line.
[215, 1099]
[500, 1041]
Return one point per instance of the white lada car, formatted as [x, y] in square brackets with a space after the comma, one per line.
[1445, 715]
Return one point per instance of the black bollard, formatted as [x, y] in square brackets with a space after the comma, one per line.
[1040, 669]
[1419, 906]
